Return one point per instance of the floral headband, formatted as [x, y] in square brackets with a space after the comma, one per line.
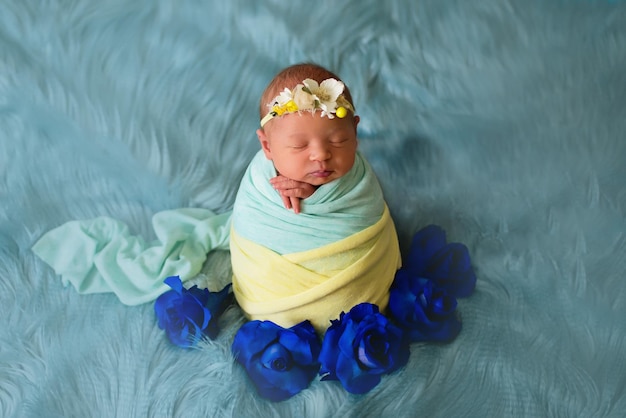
[309, 95]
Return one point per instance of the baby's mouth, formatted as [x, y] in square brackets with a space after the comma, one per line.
[321, 173]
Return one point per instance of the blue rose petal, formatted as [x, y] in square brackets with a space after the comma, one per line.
[426, 242]
[216, 303]
[442, 305]
[252, 338]
[353, 378]
[303, 343]
[425, 311]
[451, 269]
[280, 362]
[277, 358]
[448, 264]
[277, 376]
[188, 315]
[360, 347]
[183, 331]
[175, 283]
[277, 385]
[329, 352]
[161, 306]
[370, 355]
[362, 310]
[373, 352]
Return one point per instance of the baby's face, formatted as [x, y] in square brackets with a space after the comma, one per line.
[309, 148]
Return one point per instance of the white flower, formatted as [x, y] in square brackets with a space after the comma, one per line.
[303, 99]
[284, 97]
[326, 94]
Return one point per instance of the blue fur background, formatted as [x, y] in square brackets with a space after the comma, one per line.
[502, 121]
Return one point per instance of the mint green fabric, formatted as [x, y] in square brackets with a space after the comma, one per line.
[100, 255]
[335, 211]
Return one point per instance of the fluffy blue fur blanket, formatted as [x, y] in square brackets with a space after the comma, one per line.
[501, 121]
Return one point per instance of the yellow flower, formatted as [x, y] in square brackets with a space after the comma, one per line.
[291, 106]
[288, 107]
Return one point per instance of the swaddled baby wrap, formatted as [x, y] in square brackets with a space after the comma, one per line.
[341, 250]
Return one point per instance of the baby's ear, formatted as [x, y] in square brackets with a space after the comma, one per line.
[265, 143]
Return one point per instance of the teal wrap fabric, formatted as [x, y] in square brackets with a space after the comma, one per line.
[100, 255]
[335, 211]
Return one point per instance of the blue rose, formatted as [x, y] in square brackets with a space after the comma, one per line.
[447, 264]
[360, 347]
[280, 362]
[426, 242]
[426, 312]
[187, 315]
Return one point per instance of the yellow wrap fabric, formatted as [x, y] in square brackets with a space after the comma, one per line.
[316, 284]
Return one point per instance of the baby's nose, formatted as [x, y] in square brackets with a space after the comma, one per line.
[320, 153]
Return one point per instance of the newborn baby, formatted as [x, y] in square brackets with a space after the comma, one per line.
[311, 234]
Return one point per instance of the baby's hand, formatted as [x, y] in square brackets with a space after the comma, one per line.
[292, 191]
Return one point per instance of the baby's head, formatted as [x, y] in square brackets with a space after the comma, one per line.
[308, 130]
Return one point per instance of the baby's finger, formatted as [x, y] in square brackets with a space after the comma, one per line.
[278, 180]
[286, 201]
[295, 203]
[283, 183]
[299, 193]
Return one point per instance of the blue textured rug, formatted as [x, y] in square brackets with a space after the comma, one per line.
[501, 121]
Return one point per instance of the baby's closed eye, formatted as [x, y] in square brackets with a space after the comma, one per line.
[340, 141]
